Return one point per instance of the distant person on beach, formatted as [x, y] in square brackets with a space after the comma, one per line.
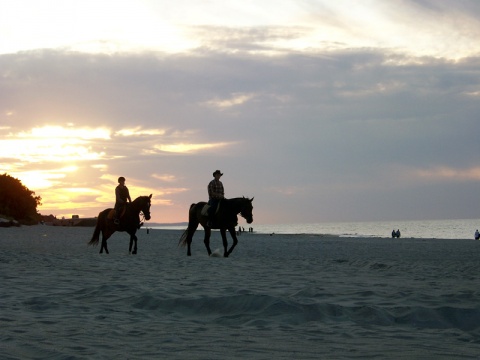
[215, 193]
[398, 233]
[477, 235]
[121, 196]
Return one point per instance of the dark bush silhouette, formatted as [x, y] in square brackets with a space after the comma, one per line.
[17, 201]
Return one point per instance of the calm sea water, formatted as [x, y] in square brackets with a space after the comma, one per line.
[427, 229]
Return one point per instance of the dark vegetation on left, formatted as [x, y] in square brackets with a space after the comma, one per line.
[18, 204]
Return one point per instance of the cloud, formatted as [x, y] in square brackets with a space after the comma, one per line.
[188, 148]
[138, 131]
[444, 173]
[234, 100]
[313, 136]
[165, 177]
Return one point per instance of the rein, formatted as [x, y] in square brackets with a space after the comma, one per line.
[140, 212]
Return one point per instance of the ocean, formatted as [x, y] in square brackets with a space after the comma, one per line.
[421, 229]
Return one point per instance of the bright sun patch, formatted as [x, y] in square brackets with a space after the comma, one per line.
[53, 144]
[60, 132]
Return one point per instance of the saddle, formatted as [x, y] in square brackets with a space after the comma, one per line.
[204, 211]
[111, 213]
[205, 208]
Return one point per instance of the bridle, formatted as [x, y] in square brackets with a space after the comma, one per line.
[142, 211]
[244, 208]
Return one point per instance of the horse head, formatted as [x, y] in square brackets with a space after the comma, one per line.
[142, 204]
[247, 208]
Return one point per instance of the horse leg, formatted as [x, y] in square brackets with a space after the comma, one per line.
[134, 239]
[106, 233]
[235, 240]
[188, 241]
[105, 236]
[189, 244]
[101, 243]
[206, 240]
[104, 245]
[190, 231]
[223, 232]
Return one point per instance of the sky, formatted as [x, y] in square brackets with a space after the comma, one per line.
[323, 111]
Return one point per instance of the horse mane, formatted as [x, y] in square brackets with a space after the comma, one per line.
[240, 198]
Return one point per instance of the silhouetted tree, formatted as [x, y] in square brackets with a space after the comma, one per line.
[17, 201]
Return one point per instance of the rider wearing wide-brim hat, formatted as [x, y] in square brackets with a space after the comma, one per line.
[216, 192]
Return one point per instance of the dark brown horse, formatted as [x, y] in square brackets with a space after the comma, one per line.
[225, 219]
[129, 222]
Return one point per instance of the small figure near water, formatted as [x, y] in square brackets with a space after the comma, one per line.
[477, 235]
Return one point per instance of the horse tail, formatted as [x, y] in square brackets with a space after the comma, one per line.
[191, 226]
[183, 239]
[96, 233]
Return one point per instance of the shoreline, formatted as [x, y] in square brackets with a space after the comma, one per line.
[147, 231]
[430, 229]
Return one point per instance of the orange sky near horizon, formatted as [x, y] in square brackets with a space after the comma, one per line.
[68, 167]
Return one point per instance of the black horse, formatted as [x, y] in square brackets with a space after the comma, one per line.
[225, 219]
[129, 222]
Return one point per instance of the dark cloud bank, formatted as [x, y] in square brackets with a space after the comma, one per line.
[318, 136]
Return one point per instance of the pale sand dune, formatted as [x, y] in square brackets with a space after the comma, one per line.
[276, 297]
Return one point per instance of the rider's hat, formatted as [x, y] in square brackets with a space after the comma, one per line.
[217, 172]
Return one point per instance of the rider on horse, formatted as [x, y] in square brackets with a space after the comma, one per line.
[215, 194]
[121, 196]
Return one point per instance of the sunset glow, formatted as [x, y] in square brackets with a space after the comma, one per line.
[53, 144]
[321, 109]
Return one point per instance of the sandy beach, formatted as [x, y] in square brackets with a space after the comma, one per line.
[276, 297]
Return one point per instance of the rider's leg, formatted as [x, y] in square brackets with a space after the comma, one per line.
[118, 208]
